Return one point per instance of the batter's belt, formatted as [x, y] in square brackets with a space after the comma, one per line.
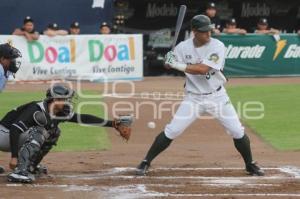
[218, 89]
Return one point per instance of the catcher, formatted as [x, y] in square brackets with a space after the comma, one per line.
[30, 131]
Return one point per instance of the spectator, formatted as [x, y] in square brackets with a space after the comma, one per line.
[263, 27]
[211, 12]
[53, 30]
[231, 28]
[27, 30]
[105, 29]
[74, 28]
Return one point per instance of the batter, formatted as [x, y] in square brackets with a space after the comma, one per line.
[202, 59]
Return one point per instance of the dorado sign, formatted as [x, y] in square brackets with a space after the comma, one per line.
[106, 57]
[261, 55]
[293, 51]
[244, 52]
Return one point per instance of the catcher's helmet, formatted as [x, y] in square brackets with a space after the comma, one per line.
[59, 91]
[9, 52]
[201, 23]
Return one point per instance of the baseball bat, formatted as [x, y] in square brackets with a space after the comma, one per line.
[179, 22]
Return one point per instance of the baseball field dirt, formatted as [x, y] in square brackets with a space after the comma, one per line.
[202, 163]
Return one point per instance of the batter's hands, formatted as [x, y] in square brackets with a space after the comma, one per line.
[171, 62]
[168, 59]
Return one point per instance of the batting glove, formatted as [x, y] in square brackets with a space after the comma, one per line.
[170, 60]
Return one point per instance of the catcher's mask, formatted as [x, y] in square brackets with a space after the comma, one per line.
[9, 52]
[63, 94]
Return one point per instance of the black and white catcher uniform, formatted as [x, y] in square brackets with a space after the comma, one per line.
[30, 131]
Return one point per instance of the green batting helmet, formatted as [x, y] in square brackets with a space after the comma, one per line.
[201, 23]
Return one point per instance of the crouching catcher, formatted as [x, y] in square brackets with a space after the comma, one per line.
[30, 131]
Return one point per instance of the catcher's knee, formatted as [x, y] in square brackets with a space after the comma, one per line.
[53, 136]
[23, 137]
[52, 141]
[37, 136]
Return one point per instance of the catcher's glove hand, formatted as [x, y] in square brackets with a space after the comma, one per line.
[123, 126]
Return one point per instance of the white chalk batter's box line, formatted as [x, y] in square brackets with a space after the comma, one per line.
[140, 190]
[291, 170]
[121, 169]
[294, 172]
[114, 173]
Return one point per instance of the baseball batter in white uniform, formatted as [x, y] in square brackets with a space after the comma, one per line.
[202, 59]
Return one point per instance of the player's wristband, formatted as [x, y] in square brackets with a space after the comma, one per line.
[179, 66]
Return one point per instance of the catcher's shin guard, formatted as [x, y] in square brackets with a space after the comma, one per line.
[31, 148]
[36, 167]
[39, 170]
[45, 149]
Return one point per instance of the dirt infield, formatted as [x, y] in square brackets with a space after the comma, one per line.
[202, 163]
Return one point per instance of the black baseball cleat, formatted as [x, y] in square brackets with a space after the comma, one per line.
[20, 177]
[254, 170]
[142, 169]
[2, 170]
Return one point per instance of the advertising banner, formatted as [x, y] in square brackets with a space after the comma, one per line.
[262, 55]
[91, 57]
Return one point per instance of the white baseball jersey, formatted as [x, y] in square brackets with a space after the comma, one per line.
[216, 102]
[211, 54]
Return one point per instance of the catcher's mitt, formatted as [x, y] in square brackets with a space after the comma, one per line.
[123, 126]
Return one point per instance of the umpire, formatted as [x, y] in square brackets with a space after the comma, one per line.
[8, 66]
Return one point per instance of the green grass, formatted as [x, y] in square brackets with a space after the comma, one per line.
[281, 123]
[74, 137]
